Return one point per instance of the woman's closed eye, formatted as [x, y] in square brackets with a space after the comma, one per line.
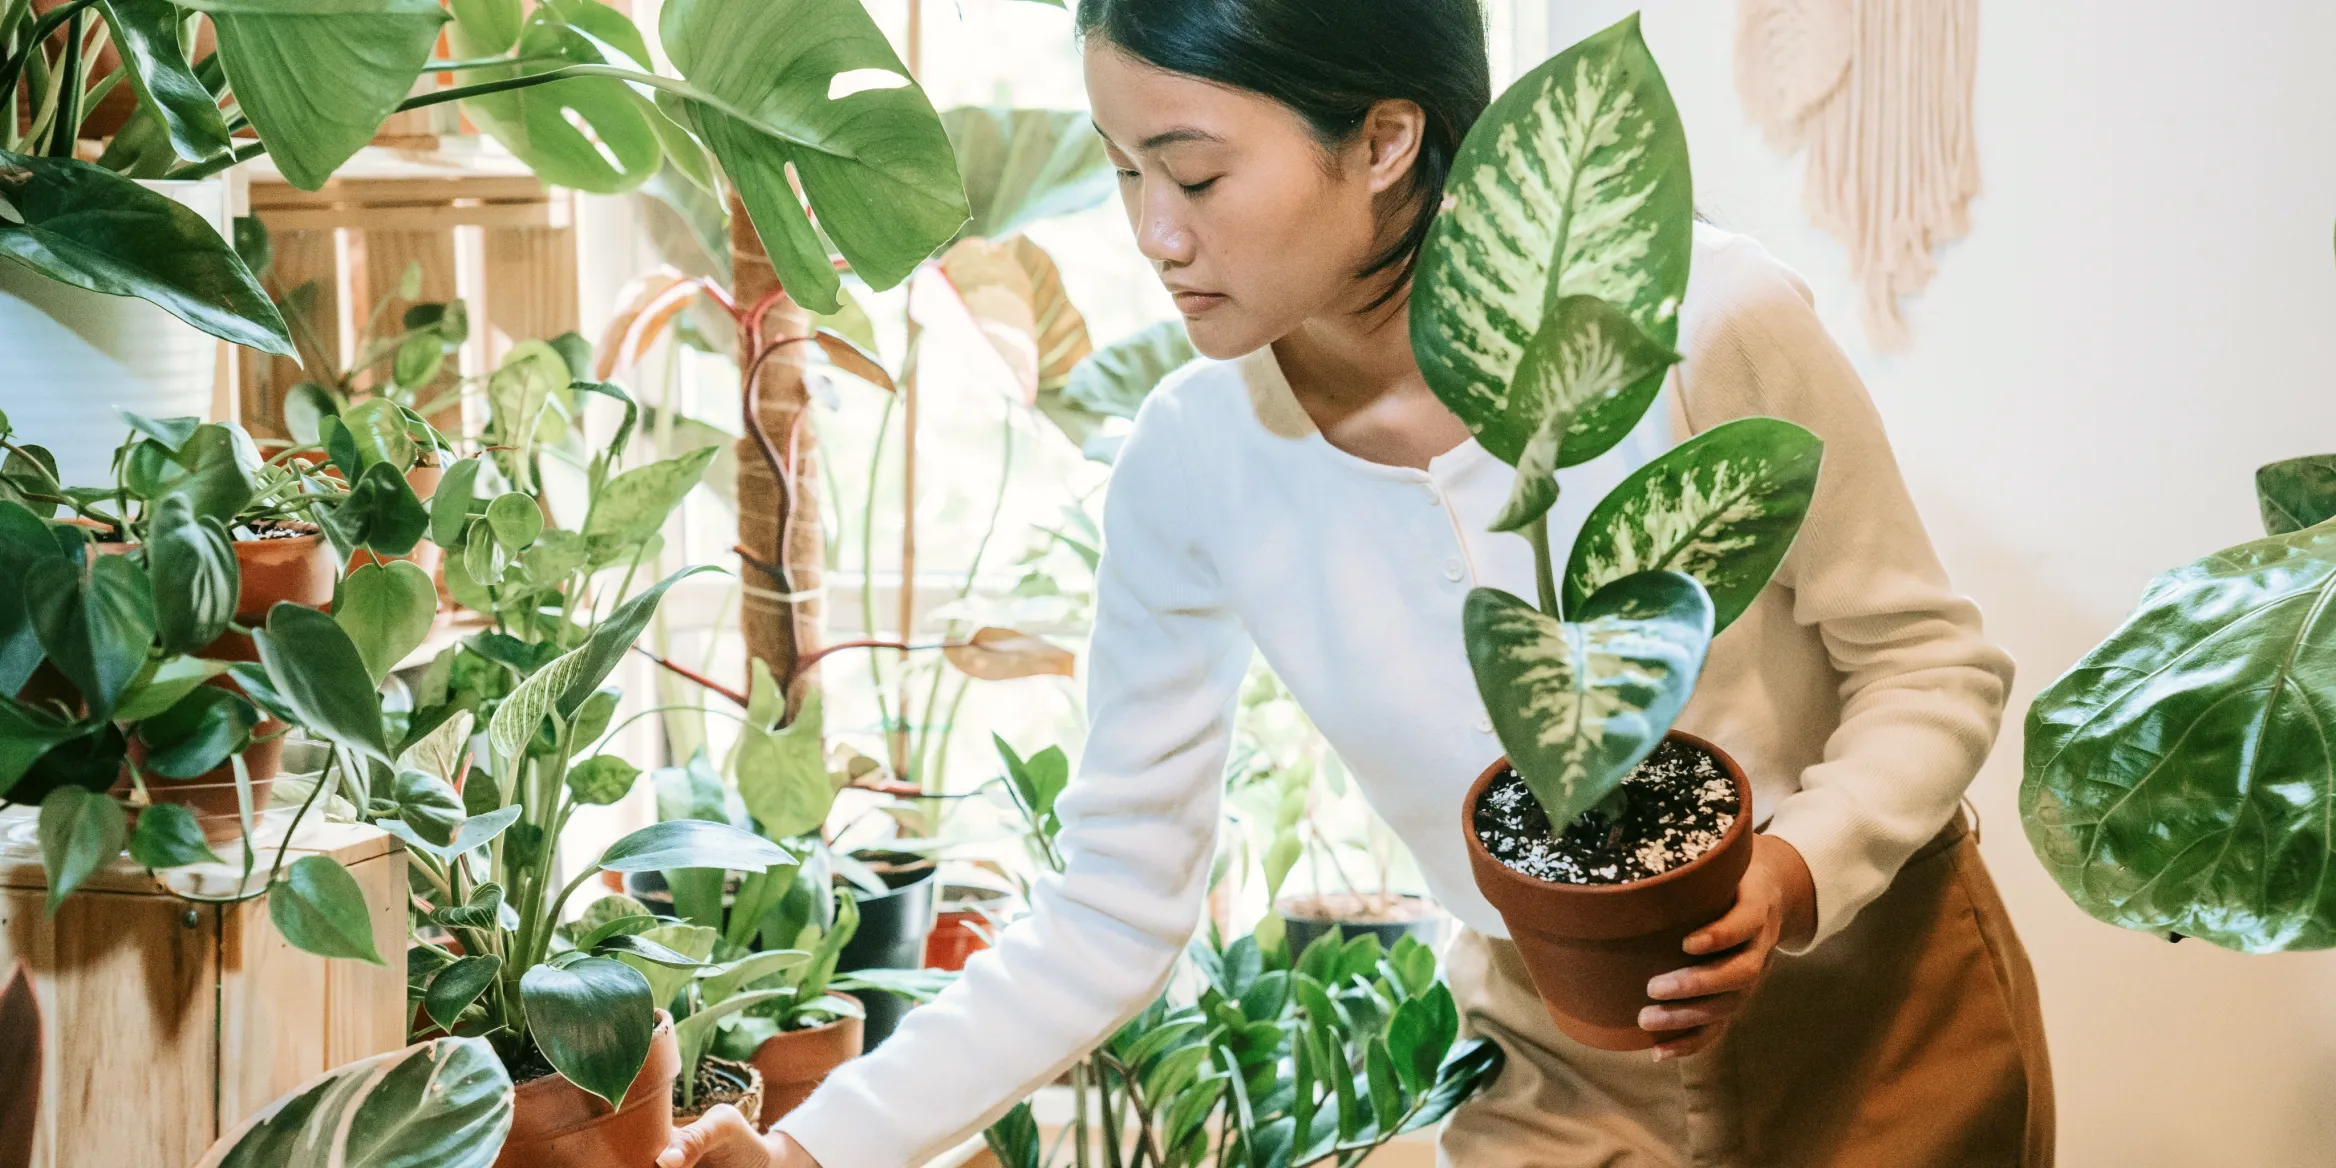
[1195, 188]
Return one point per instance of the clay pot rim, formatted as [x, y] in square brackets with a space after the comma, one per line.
[1486, 861]
[830, 1024]
[634, 1098]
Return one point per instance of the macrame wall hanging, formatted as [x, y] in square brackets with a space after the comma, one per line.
[1878, 95]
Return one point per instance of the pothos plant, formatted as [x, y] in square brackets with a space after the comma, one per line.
[1274, 1063]
[2178, 779]
[1545, 314]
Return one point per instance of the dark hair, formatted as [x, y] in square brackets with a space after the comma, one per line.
[1330, 61]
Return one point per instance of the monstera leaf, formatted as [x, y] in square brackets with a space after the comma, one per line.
[1579, 703]
[318, 77]
[2297, 493]
[445, 1103]
[1024, 165]
[2179, 778]
[1722, 507]
[1573, 183]
[839, 109]
[590, 133]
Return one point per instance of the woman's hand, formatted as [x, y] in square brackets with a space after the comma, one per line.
[723, 1139]
[1775, 902]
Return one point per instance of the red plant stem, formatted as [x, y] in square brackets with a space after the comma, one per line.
[688, 674]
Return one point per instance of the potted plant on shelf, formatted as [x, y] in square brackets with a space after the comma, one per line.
[1317, 1061]
[1544, 315]
[2176, 777]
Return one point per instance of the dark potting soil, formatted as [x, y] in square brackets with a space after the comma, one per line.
[528, 1065]
[1681, 803]
[718, 1083]
[281, 529]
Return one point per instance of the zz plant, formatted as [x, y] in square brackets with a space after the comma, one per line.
[1545, 314]
[2178, 779]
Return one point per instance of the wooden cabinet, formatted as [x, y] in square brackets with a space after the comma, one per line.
[168, 1021]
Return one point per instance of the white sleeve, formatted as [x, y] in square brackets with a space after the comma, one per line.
[1139, 833]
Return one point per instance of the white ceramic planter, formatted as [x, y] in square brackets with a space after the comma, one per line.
[73, 357]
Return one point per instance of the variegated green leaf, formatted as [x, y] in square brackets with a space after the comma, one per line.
[1574, 183]
[2297, 493]
[1586, 371]
[1722, 507]
[1579, 703]
[445, 1103]
[515, 721]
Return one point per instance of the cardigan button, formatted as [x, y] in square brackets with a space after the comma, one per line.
[1454, 569]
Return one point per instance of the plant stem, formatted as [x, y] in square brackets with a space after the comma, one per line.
[41, 31]
[868, 563]
[896, 736]
[932, 783]
[1544, 570]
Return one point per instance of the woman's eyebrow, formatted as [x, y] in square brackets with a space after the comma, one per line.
[1171, 137]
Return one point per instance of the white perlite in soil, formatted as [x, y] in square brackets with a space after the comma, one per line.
[1681, 805]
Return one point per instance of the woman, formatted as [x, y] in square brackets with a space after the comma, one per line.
[1864, 1003]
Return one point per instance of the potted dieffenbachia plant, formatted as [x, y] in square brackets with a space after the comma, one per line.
[2178, 778]
[1544, 315]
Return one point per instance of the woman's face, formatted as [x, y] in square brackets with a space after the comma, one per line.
[1251, 224]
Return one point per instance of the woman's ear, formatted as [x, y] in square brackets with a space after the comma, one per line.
[1392, 132]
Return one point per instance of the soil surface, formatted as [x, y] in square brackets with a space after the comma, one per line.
[1681, 803]
[281, 529]
[718, 1082]
[1357, 909]
[528, 1066]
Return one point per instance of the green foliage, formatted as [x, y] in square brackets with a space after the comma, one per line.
[387, 610]
[2297, 493]
[79, 831]
[318, 907]
[1024, 165]
[445, 1103]
[1113, 383]
[592, 1017]
[780, 770]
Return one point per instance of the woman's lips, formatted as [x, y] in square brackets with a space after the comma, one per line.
[1196, 303]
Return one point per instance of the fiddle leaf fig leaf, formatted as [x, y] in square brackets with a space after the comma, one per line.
[841, 112]
[445, 1103]
[1574, 183]
[2178, 778]
[2297, 493]
[593, 1018]
[1578, 704]
[1723, 507]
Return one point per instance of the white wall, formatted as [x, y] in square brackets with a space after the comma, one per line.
[2144, 312]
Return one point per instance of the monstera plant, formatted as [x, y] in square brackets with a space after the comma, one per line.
[2178, 779]
[1545, 314]
[567, 85]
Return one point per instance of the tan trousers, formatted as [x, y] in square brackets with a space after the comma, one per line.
[1912, 1039]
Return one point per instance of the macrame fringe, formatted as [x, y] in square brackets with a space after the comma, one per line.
[1878, 93]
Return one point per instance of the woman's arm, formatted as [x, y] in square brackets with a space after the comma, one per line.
[1922, 689]
[1139, 831]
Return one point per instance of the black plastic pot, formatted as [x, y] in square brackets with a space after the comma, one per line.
[1302, 931]
[892, 933]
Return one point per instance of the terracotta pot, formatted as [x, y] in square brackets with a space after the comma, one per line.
[1592, 948]
[427, 556]
[749, 1104]
[961, 931]
[211, 795]
[794, 1064]
[300, 570]
[556, 1124]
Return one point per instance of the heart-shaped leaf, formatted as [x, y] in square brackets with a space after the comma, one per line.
[197, 735]
[517, 395]
[162, 683]
[593, 1019]
[90, 757]
[370, 50]
[319, 908]
[96, 626]
[381, 513]
[1578, 704]
[1586, 378]
[691, 943]
[445, 1103]
[837, 109]
[196, 577]
[2297, 493]
[634, 504]
[427, 804]
[692, 843]
[2178, 778]
[25, 736]
[79, 831]
[316, 670]
[458, 985]
[1573, 183]
[1723, 507]
[378, 428]
[602, 779]
[781, 770]
[516, 520]
[167, 836]
[83, 225]
[450, 503]
[387, 610]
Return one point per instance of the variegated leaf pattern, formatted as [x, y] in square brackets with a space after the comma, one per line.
[516, 720]
[445, 1103]
[1589, 367]
[1722, 507]
[1574, 183]
[2178, 778]
[1579, 703]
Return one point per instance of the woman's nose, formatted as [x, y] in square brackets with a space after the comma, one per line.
[1163, 237]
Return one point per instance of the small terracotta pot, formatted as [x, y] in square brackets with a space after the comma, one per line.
[556, 1124]
[1592, 948]
[211, 795]
[748, 1104]
[427, 556]
[299, 570]
[795, 1063]
[961, 932]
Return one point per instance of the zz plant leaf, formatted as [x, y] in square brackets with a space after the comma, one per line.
[2178, 778]
[1574, 183]
[1579, 704]
[1723, 507]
